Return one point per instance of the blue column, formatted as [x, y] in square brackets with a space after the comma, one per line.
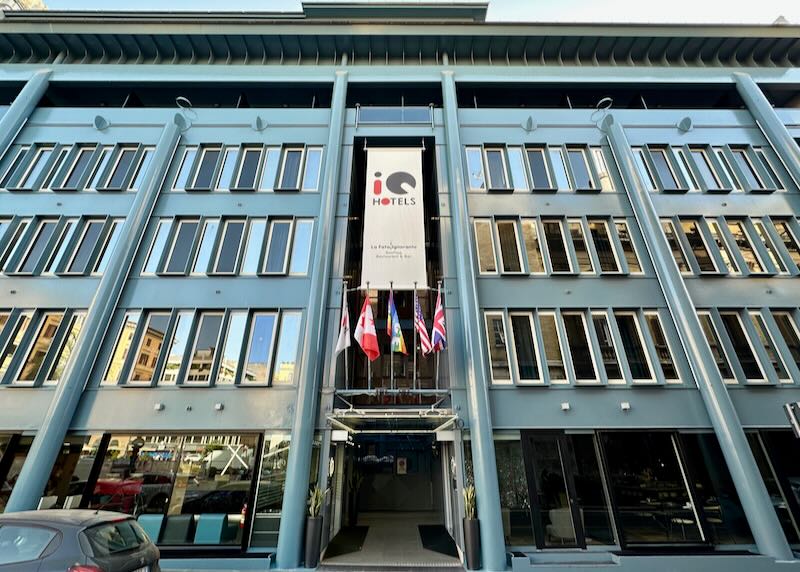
[293, 511]
[773, 128]
[22, 107]
[484, 464]
[753, 494]
[67, 395]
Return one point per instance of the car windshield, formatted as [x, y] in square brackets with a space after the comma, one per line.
[115, 537]
[23, 543]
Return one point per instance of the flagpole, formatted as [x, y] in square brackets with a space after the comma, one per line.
[414, 322]
[438, 293]
[347, 348]
[369, 363]
[391, 349]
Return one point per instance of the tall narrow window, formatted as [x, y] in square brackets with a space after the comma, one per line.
[669, 182]
[3, 320]
[182, 246]
[686, 171]
[579, 348]
[204, 177]
[644, 171]
[777, 261]
[15, 166]
[742, 346]
[754, 264]
[769, 346]
[789, 332]
[280, 232]
[608, 350]
[496, 164]
[559, 168]
[606, 183]
[186, 168]
[475, 174]
[14, 243]
[704, 168]
[248, 170]
[259, 351]
[228, 255]
[538, 168]
[714, 343]
[290, 172]
[67, 347]
[727, 176]
[55, 168]
[631, 336]
[552, 348]
[122, 347]
[204, 350]
[14, 341]
[516, 166]
[487, 263]
[269, 174]
[99, 168]
[180, 339]
[628, 249]
[144, 166]
[556, 247]
[301, 247]
[675, 245]
[86, 247]
[40, 241]
[580, 168]
[698, 245]
[119, 172]
[226, 173]
[606, 254]
[107, 251]
[789, 240]
[255, 244]
[662, 346]
[40, 346]
[747, 169]
[509, 246]
[581, 250]
[35, 167]
[533, 248]
[229, 359]
[157, 248]
[284, 367]
[767, 163]
[498, 348]
[722, 245]
[78, 168]
[312, 168]
[150, 344]
[203, 259]
[525, 347]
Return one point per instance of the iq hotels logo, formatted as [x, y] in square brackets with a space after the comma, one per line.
[394, 184]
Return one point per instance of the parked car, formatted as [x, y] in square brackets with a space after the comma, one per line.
[74, 541]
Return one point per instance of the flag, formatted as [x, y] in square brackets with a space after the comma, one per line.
[419, 324]
[344, 326]
[393, 328]
[439, 331]
[365, 333]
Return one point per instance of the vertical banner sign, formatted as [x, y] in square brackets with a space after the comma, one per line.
[394, 225]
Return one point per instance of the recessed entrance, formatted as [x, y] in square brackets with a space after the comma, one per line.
[392, 494]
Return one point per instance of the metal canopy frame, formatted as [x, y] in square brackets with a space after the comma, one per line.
[441, 419]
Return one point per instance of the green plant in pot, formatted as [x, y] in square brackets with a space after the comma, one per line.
[316, 498]
[472, 529]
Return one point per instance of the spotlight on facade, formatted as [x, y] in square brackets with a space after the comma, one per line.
[625, 406]
[158, 406]
[565, 406]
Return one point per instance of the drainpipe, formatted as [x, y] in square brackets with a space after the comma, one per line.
[291, 532]
[771, 125]
[67, 395]
[480, 421]
[22, 107]
[753, 494]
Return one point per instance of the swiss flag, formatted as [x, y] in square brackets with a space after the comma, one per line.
[365, 333]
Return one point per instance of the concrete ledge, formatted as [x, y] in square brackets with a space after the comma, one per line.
[262, 563]
[605, 561]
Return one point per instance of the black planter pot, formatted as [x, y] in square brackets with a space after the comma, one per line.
[472, 543]
[313, 535]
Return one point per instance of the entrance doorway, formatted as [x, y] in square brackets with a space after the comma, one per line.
[393, 501]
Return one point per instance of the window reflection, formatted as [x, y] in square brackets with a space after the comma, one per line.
[284, 369]
[152, 339]
[40, 346]
[256, 369]
[206, 343]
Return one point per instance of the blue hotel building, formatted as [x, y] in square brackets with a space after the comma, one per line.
[612, 213]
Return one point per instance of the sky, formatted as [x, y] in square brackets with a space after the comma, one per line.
[652, 11]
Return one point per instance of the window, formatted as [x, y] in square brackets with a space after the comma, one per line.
[157, 248]
[742, 346]
[202, 260]
[120, 353]
[686, 171]
[204, 177]
[516, 165]
[35, 168]
[229, 360]
[248, 169]
[312, 168]
[698, 246]
[727, 176]
[301, 247]
[487, 263]
[632, 342]
[556, 247]
[606, 184]
[552, 348]
[99, 168]
[538, 167]
[79, 167]
[669, 182]
[22, 543]
[290, 170]
[496, 166]
[722, 245]
[14, 340]
[509, 246]
[606, 254]
[108, 249]
[747, 169]
[644, 171]
[204, 350]
[675, 245]
[62, 243]
[114, 538]
[120, 170]
[705, 170]
[717, 350]
[225, 180]
[788, 239]
[662, 346]
[579, 347]
[559, 168]
[259, 350]
[150, 344]
[608, 351]
[284, 367]
[632, 260]
[579, 243]
[789, 332]
[86, 247]
[180, 338]
[186, 168]
[742, 240]
[14, 243]
[255, 242]
[768, 167]
[498, 349]
[39, 347]
[269, 173]
[475, 168]
[761, 231]
[530, 235]
[40, 241]
[228, 255]
[769, 346]
[144, 165]
[280, 232]
[8, 176]
[525, 347]
[67, 346]
[579, 166]
[182, 245]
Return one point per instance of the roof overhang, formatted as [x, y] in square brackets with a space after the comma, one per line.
[393, 421]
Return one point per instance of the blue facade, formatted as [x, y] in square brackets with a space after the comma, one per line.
[611, 212]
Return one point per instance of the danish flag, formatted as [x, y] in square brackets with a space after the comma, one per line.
[365, 333]
[439, 331]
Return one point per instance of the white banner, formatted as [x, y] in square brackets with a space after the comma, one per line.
[394, 225]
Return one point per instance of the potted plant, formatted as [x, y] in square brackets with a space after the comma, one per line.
[314, 526]
[472, 530]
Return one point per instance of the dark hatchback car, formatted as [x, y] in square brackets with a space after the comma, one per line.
[74, 541]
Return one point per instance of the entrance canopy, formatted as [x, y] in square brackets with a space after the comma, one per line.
[419, 421]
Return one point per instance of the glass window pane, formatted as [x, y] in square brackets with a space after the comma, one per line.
[766, 466]
[229, 361]
[664, 169]
[703, 165]
[608, 352]
[180, 337]
[182, 246]
[745, 246]
[228, 165]
[559, 259]
[36, 167]
[229, 248]
[722, 245]
[606, 183]
[86, 247]
[185, 169]
[43, 235]
[534, 250]
[524, 347]
[61, 246]
[124, 161]
[144, 364]
[23, 544]
[579, 243]
[634, 348]
[498, 350]
[514, 502]
[269, 496]
[144, 165]
[159, 241]
[549, 458]
[590, 489]
[579, 348]
[766, 341]
[698, 246]
[100, 168]
[683, 165]
[789, 240]
[205, 172]
[770, 248]
[741, 345]
[517, 166]
[15, 339]
[475, 168]
[255, 242]
[789, 332]
[206, 249]
[79, 167]
[644, 171]
[538, 167]
[675, 245]
[259, 351]
[301, 247]
[108, 249]
[634, 267]
[270, 171]
[559, 169]
[206, 343]
[767, 163]
[716, 347]
[662, 346]
[497, 169]
[483, 238]
[15, 243]
[602, 246]
[67, 345]
[312, 169]
[747, 169]
[580, 168]
[121, 348]
[40, 346]
[249, 169]
[15, 166]
[509, 248]
[277, 247]
[285, 366]
[552, 348]
[290, 177]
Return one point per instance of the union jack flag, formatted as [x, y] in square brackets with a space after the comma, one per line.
[422, 330]
[439, 331]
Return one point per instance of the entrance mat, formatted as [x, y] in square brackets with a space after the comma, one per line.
[350, 539]
[435, 537]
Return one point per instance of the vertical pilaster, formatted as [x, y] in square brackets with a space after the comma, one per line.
[483, 455]
[773, 128]
[290, 535]
[753, 494]
[21, 108]
[66, 397]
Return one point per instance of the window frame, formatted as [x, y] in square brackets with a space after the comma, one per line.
[475, 150]
[643, 341]
[36, 150]
[118, 152]
[515, 370]
[544, 152]
[566, 240]
[621, 359]
[285, 150]
[175, 229]
[666, 152]
[126, 377]
[202, 151]
[86, 223]
[271, 221]
[47, 248]
[764, 379]
[497, 222]
[271, 348]
[589, 343]
[623, 221]
[654, 312]
[485, 221]
[610, 235]
[561, 344]
[193, 149]
[75, 153]
[29, 341]
[588, 163]
[508, 184]
[187, 359]
[489, 343]
[711, 161]
[243, 150]
[220, 240]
